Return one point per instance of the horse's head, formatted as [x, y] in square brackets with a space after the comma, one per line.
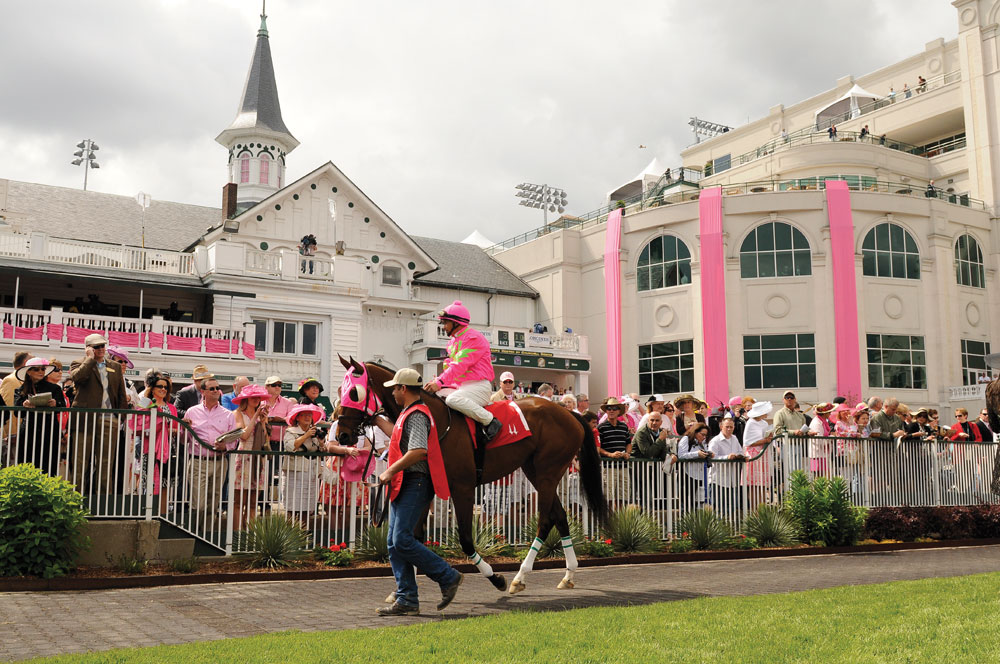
[359, 401]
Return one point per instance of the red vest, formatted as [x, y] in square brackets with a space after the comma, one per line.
[434, 459]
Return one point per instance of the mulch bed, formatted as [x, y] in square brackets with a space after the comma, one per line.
[230, 570]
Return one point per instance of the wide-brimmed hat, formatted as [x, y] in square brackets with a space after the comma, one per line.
[685, 397]
[736, 401]
[201, 372]
[760, 408]
[405, 376]
[271, 380]
[841, 408]
[824, 407]
[654, 398]
[612, 402]
[94, 340]
[317, 413]
[921, 411]
[306, 382]
[861, 406]
[249, 392]
[33, 363]
[121, 355]
[352, 467]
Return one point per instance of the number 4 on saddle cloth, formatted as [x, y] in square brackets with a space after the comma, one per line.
[513, 426]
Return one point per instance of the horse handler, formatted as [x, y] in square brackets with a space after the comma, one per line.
[412, 489]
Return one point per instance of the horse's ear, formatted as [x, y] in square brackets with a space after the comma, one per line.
[347, 365]
[359, 368]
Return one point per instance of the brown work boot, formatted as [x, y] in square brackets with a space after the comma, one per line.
[398, 609]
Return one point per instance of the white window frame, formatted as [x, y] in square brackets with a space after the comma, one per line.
[268, 341]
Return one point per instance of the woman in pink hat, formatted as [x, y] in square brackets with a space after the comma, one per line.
[302, 472]
[251, 416]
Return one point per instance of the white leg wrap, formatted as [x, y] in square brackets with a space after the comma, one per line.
[570, 553]
[481, 564]
[529, 560]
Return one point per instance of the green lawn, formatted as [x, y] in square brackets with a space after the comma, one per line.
[934, 620]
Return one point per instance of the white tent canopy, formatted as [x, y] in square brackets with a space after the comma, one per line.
[479, 240]
[847, 106]
[637, 184]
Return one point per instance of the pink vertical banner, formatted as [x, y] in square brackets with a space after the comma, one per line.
[713, 297]
[613, 300]
[845, 291]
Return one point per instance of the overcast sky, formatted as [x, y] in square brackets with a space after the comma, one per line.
[436, 109]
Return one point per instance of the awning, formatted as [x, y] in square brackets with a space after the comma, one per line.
[847, 107]
[88, 274]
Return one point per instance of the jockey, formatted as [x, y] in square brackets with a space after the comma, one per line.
[468, 369]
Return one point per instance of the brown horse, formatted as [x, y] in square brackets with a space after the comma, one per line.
[557, 436]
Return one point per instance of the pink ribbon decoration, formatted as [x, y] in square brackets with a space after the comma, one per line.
[249, 351]
[613, 300]
[54, 331]
[845, 295]
[713, 297]
[152, 339]
[222, 346]
[124, 339]
[76, 335]
[190, 344]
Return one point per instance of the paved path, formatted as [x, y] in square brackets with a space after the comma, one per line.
[37, 624]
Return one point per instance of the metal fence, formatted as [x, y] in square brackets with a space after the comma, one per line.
[145, 465]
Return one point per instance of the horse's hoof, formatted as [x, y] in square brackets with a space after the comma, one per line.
[391, 598]
[516, 587]
[566, 584]
[499, 582]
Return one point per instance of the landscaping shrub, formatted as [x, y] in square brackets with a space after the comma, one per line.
[486, 537]
[743, 542]
[275, 541]
[632, 531]
[131, 564]
[598, 548]
[952, 522]
[770, 526]
[551, 546]
[682, 545]
[336, 555]
[822, 510]
[185, 565]
[41, 523]
[705, 529]
[374, 544]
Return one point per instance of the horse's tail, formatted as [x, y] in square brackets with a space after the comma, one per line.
[590, 473]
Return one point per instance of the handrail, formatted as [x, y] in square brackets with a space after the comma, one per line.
[899, 96]
[863, 183]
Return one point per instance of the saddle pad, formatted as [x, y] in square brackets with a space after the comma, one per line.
[513, 425]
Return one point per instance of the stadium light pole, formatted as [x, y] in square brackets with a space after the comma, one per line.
[543, 197]
[85, 155]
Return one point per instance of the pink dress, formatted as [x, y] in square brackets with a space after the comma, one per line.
[249, 475]
[758, 472]
[161, 450]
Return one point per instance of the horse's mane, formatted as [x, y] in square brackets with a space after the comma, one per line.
[427, 397]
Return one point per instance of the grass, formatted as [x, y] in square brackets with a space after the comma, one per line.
[951, 620]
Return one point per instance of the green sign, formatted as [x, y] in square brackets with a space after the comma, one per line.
[527, 359]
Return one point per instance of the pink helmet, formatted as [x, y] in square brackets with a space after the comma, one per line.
[455, 312]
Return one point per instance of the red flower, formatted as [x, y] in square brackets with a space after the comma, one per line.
[343, 545]
[437, 543]
[684, 534]
[607, 541]
[743, 536]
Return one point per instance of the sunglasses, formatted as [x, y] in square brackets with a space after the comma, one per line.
[161, 386]
[211, 389]
[276, 385]
[98, 347]
[508, 381]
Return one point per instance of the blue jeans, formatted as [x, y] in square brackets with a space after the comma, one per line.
[405, 552]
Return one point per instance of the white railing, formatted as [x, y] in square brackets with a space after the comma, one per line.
[13, 244]
[107, 455]
[967, 392]
[117, 257]
[29, 326]
[263, 262]
[315, 267]
[431, 332]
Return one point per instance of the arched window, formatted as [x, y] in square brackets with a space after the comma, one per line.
[664, 262]
[244, 170]
[890, 251]
[775, 249]
[969, 262]
[265, 169]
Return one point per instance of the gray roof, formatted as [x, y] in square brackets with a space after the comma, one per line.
[260, 108]
[96, 217]
[467, 267]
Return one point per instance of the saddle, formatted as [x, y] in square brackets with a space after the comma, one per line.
[513, 427]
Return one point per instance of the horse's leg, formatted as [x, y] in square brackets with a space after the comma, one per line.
[462, 500]
[562, 524]
[546, 494]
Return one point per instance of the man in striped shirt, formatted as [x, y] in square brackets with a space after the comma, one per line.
[616, 445]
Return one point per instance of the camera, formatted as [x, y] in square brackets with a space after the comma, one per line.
[322, 426]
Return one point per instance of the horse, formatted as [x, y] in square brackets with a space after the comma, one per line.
[557, 436]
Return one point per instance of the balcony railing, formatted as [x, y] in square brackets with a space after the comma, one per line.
[432, 333]
[117, 257]
[29, 327]
[898, 97]
[967, 392]
[864, 183]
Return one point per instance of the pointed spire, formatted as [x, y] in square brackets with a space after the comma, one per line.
[263, 20]
[259, 107]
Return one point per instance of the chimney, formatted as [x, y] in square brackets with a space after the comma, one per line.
[229, 201]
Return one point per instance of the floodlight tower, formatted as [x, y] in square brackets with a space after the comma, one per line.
[542, 196]
[85, 155]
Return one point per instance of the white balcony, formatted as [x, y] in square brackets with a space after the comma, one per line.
[430, 333]
[56, 329]
[967, 392]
